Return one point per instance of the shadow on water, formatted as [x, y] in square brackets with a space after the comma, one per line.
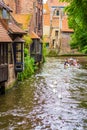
[53, 99]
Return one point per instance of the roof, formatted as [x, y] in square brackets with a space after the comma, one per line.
[13, 28]
[18, 39]
[56, 3]
[3, 5]
[4, 37]
[23, 19]
[33, 35]
[65, 27]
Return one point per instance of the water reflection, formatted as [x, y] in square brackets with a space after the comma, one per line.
[53, 99]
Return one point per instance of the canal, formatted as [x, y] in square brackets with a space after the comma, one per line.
[53, 99]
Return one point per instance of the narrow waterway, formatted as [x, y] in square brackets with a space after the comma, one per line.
[53, 99]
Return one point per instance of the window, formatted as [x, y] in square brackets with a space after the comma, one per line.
[56, 33]
[57, 12]
[32, 48]
[53, 42]
[10, 61]
[5, 14]
[18, 53]
[18, 49]
[3, 53]
[37, 47]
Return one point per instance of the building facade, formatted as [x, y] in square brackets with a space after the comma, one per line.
[32, 12]
[59, 31]
[36, 31]
[11, 48]
[20, 6]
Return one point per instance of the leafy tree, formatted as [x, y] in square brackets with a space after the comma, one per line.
[28, 40]
[77, 20]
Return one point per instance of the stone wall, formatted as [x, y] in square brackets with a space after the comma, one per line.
[65, 47]
[11, 76]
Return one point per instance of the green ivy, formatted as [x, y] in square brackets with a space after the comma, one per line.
[29, 67]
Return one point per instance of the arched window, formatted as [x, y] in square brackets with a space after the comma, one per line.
[56, 12]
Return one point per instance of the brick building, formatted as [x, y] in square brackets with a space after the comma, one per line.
[59, 31]
[11, 48]
[29, 14]
[20, 6]
[34, 8]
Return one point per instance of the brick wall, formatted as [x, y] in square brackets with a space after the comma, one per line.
[20, 6]
[11, 3]
[11, 78]
[65, 47]
[26, 6]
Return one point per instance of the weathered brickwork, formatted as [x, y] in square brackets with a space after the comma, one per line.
[11, 3]
[20, 6]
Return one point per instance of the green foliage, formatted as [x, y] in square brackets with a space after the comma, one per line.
[29, 67]
[77, 19]
[28, 40]
[44, 50]
[53, 52]
[84, 50]
[26, 53]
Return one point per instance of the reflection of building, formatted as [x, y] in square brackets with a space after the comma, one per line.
[59, 30]
[11, 47]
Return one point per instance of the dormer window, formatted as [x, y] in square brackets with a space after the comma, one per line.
[5, 14]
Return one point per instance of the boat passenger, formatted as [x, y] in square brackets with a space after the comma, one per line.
[66, 63]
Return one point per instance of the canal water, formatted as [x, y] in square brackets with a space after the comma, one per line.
[53, 99]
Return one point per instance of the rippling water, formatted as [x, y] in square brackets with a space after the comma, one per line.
[53, 99]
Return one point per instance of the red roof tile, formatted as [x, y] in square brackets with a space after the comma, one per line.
[4, 37]
[56, 3]
[65, 27]
[23, 19]
[18, 39]
[3, 5]
[33, 35]
[13, 28]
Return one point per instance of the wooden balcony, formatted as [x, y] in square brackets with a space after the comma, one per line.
[3, 73]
